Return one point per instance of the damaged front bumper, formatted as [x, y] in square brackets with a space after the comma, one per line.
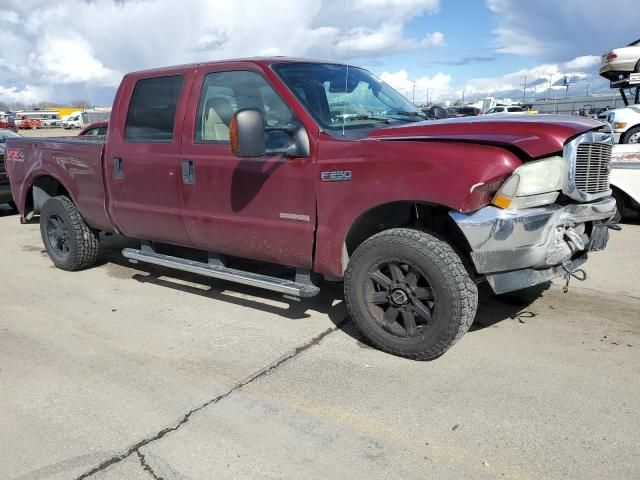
[516, 249]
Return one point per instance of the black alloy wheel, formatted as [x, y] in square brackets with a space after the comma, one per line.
[400, 298]
[58, 237]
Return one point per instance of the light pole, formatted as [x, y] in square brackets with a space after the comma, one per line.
[550, 75]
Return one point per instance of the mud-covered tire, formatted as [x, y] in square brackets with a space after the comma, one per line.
[453, 302]
[69, 241]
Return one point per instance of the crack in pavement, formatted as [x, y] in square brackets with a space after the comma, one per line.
[185, 418]
[146, 467]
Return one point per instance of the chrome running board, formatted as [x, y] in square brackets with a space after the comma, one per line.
[216, 270]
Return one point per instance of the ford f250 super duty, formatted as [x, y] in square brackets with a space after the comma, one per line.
[323, 168]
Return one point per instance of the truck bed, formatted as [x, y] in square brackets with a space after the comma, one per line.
[75, 164]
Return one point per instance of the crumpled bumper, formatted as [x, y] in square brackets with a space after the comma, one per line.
[518, 248]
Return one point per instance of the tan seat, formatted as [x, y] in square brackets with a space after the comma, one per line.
[217, 117]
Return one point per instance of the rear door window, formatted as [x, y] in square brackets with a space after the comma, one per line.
[152, 110]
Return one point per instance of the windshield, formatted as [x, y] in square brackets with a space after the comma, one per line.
[343, 98]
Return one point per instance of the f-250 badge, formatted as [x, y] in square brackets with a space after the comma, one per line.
[336, 176]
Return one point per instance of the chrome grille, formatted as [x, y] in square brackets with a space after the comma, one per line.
[591, 174]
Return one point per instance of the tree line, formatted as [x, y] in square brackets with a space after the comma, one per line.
[14, 106]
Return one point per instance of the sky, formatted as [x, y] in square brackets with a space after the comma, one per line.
[63, 50]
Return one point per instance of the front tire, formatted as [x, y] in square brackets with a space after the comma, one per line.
[409, 293]
[69, 241]
[632, 136]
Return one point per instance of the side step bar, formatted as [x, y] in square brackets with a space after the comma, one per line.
[287, 287]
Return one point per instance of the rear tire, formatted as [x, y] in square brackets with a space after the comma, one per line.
[409, 293]
[69, 241]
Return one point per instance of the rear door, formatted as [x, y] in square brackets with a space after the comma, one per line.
[142, 164]
[261, 208]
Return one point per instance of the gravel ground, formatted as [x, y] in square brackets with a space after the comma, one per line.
[49, 132]
[127, 372]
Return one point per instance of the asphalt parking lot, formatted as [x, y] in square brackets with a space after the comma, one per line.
[127, 372]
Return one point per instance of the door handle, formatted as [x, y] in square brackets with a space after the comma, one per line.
[188, 172]
[118, 168]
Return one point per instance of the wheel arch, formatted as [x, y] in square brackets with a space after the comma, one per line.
[421, 215]
[41, 188]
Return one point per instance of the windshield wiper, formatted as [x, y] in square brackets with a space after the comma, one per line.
[364, 116]
[411, 114]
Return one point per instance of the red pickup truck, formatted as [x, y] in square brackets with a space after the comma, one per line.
[323, 168]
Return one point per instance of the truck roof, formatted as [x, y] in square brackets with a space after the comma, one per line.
[260, 61]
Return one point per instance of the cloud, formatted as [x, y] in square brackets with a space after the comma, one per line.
[468, 60]
[75, 48]
[552, 30]
[578, 71]
[436, 87]
[389, 38]
[440, 86]
[70, 59]
[28, 94]
[435, 39]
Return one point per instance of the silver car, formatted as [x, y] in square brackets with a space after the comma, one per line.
[620, 62]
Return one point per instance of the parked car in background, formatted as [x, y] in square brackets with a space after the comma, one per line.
[467, 112]
[625, 179]
[74, 121]
[30, 119]
[452, 112]
[505, 109]
[621, 62]
[5, 188]
[94, 130]
[243, 158]
[625, 123]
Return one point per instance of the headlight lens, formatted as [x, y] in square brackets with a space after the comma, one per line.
[532, 184]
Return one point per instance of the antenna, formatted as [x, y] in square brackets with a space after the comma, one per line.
[346, 77]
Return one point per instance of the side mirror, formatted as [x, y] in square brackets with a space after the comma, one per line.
[247, 133]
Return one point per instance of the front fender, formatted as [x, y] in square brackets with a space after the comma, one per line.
[459, 176]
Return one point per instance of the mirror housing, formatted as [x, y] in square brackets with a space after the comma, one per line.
[247, 134]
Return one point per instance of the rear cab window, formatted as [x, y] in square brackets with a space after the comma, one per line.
[152, 109]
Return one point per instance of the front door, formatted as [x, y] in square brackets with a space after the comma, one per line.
[142, 164]
[261, 208]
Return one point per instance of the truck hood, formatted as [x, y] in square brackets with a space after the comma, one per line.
[535, 135]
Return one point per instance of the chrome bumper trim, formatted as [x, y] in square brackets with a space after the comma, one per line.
[541, 237]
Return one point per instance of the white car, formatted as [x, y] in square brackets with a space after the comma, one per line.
[625, 123]
[620, 62]
[625, 178]
[72, 122]
[505, 109]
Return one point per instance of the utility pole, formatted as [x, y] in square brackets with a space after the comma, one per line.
[588, 85]
[550, 75]
[413, 95]
[463, 98]
[524, 89]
